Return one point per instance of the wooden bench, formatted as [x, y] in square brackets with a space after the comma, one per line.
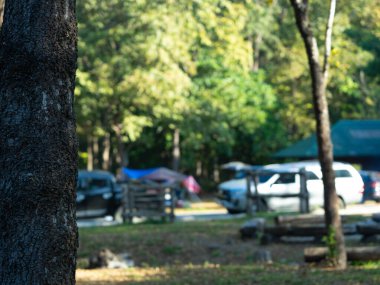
[150, 200]
[290, 226]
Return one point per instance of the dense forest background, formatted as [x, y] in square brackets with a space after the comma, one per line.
[192, 84]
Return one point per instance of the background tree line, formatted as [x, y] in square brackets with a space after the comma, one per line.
[193, 84]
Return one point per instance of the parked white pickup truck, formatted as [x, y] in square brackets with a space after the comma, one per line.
[348, 182]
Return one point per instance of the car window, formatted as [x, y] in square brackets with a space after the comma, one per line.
[286, 178]
[240, 174]
[88, 184]
[341, 173]
[311, 176]
[264, 178]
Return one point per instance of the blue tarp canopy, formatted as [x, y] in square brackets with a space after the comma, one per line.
[155, 174]
[137, 173]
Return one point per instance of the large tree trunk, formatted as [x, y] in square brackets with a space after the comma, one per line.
[38, 151]
[325, 150]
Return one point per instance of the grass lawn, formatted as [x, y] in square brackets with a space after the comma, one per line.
[204, 253]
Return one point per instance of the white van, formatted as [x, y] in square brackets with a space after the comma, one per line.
[348, 182]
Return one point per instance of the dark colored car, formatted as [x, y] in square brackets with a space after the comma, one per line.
[371, 181]
[98, 195]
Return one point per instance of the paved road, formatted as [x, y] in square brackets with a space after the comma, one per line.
[366, 209]
[180, 217]
[86, 223]
[206, 216]
[220, 214]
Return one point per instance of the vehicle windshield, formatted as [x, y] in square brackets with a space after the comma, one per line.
[262, 178]
[240, 174]
[86, 184]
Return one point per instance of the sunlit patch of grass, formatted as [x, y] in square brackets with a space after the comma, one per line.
[367, 264]
[119, 276]
[210, 273]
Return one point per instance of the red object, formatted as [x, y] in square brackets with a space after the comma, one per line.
[191, 185]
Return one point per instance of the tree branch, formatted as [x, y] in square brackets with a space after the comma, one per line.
[328, 38]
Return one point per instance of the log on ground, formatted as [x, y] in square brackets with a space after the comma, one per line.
[305, 230]
[376, 217]
[368, 229]
[302, 219]
[316, 254]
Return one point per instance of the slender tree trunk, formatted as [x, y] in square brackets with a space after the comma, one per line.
[199, 168]
[256, 52]
[1, 11]
[363, 83]
[38, 150]
[325, 149]
[106, 152]
[95, 149]
[90, 153]
[115, 158]
[216, 172]
[176, 150]
[122, 158]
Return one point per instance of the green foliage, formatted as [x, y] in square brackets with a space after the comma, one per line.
[232, 76]
[330, 242]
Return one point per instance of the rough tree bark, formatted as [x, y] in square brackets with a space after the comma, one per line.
[325, 151]
[38, 149]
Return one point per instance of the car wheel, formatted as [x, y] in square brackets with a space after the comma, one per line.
[262, 204]
[234, 211]
[118, 216]
[341, 203]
